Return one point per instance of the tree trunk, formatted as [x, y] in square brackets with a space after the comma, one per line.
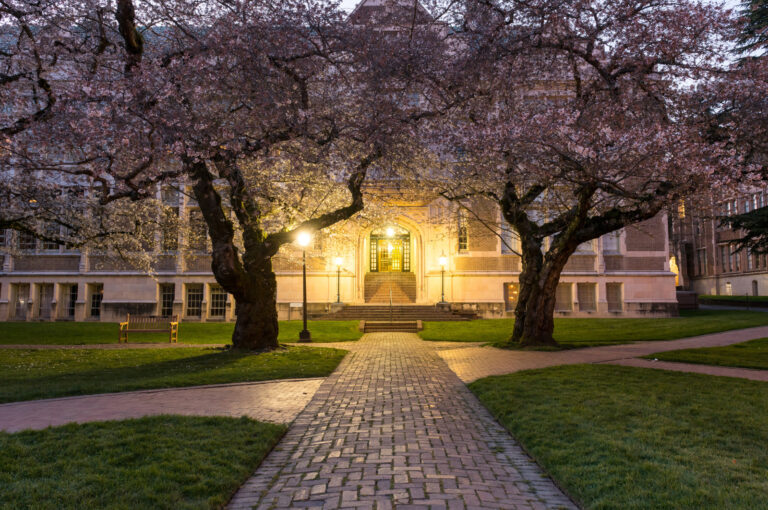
[538, 324]
[534, 313]
[256, 326]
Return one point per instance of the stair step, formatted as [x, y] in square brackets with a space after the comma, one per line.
[391, 326]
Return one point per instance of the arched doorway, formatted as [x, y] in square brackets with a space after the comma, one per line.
[390, 250]
[389, 277]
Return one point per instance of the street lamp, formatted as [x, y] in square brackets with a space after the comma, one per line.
[338, 261]
[443, 260]
[304, 238]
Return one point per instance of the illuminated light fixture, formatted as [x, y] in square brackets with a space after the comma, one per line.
[304, 238]
[390, 231]
[338, 261]
[443, 261]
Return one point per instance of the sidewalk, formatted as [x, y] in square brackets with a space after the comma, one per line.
[274, 401]
[476, 362]
[393, 426]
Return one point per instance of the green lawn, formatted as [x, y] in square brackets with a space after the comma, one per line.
[160, 462]
[571, 333]
[32, 374]
[63, 333]
[752, 354]
[632, 438]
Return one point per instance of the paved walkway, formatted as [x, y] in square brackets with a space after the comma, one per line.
[741, 373]
[475, 362]
[394, 426]
[275, 401]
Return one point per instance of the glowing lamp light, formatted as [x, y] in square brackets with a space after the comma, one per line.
[338, 261]
[443, 261]
[304, 239]
[390, 231]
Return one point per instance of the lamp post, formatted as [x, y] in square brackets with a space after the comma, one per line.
[338, 261]
[443, 260]
[304, 239]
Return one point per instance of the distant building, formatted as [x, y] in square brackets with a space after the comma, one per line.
[707, 257]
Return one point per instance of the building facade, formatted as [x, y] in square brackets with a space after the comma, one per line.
[424, 252]
[709, 262]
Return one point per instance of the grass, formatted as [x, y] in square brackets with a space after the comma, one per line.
[573, 333]
[752, 354]
[160, 462]
[46, 373]
[76, 333]
[631, 438]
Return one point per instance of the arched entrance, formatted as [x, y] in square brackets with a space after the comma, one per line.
[389, 277]
[390, 250]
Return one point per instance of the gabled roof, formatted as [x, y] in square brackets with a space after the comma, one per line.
[389, 12]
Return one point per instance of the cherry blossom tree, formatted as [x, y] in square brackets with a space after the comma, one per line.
[269, 114]
[587, 121]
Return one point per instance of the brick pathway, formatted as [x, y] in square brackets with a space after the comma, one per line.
[275, 401]
[394, 426]
[475, 362]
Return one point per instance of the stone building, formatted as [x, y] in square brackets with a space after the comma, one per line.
[424, 252]
[708, 260]
[623, 274]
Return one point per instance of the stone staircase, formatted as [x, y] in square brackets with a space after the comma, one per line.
[389, 327]
[398, 313]
[379, 285]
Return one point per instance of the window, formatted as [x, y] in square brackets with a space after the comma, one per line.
[725, 258]
[750, 262]
[510, 295]
[97, 295]
[195, 300]
[611, 242]
[701, 261]
[52, 232]
[587, 293]
[613, 294]
[728, 289]
[747, 204]
[510, 241]
[169, 229]
[2, 237]
[564, 297]
[735, 262]
[71, 301]
[463, 231]
[586, 247]
[27, 241]
[218, 301]
[198, 232]
[22, 301]
[167, 296]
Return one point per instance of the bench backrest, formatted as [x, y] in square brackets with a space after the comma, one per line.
[150, 321]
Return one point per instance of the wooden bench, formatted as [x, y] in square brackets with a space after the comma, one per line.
[150, 324]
